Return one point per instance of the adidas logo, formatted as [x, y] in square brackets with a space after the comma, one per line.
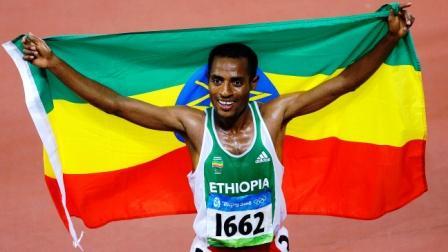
[262, 158]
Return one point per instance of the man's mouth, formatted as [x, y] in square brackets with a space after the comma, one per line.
[225, 104]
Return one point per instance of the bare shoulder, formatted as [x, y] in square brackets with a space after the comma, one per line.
[281, 109]
[276, 108]
[193, 123]
[270, 108]
[190, 117]
[275, 113]
[272, 115]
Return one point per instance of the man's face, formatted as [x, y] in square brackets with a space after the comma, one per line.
[229, 86]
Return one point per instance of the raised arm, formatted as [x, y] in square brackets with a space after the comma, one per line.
[300, 103]
[178, 119]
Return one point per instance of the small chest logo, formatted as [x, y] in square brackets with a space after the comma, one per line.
[217, 165]
[262, 158]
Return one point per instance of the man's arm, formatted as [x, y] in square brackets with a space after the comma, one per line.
[39, 53]
[292, 105]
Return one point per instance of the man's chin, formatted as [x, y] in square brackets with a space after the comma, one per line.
[225, 113]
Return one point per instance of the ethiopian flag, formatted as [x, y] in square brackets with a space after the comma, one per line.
[360, 157]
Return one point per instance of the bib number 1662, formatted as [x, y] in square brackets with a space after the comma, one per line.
[248, 224]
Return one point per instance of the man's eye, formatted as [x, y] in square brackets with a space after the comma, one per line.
[216, 81]
[238, 83]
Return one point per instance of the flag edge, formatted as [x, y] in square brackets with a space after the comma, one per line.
[41, 122]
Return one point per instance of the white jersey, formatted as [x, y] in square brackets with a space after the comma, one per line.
[238, 198]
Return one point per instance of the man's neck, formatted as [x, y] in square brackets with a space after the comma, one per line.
[235, 123]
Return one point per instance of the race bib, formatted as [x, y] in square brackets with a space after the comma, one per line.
[239, 221]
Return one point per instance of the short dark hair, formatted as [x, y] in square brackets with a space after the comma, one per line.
[235, 50]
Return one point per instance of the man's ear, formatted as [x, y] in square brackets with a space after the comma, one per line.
[253, 82]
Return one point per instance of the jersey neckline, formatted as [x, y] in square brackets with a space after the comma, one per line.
[254, 137]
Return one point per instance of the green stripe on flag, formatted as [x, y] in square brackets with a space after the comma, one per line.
[135, 63]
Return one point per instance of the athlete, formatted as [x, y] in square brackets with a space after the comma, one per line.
[236, 146]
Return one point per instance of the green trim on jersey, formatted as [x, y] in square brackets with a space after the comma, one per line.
[242, 242]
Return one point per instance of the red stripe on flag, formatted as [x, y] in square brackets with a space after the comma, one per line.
[159, 187]
[328, 176]
[55, 193]
[348, 179]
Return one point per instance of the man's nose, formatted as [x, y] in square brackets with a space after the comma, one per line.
[226, 90]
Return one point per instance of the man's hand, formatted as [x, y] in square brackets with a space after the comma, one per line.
[36, 51]
[399, 24]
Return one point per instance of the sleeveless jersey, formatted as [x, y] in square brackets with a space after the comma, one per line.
[238, 198]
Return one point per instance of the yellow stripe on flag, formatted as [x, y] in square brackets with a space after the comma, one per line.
[394, 94]
[90, 136]
[48, 170]
[92, 141]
